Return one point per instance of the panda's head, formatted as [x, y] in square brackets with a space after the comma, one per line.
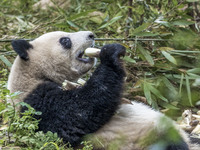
[55, 56]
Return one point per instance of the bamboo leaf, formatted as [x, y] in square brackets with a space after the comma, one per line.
[182, 22]
[169, 57]
[188, 89]
[47, 143]
[128, 59]
[165, 48]
[72, 24]
[181, 83]
[195, 70]
[141, 28]
[146, 55]
[192, 1]
[168, 106]
[155, 105]
[57, 148]
[168, 84]
[149, 34]
[147, 93]
[108, 1]
[113, 20]
[158, 94]
[194, 76]
[81, 15]
[6, 61]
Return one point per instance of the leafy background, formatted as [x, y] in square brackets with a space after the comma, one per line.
[161, 37]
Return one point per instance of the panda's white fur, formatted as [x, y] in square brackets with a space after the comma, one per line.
[132, 123]
[50, 61]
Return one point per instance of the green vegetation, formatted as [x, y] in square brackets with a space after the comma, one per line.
[163, 61]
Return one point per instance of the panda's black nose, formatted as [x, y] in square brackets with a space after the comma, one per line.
[91, 36]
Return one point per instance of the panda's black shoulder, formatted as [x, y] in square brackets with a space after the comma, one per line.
[46, 88]
[49, 86]
[44, 93]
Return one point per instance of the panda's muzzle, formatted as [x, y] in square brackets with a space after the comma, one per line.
[80, 57]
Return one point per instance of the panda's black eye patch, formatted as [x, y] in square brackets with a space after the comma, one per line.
[66, 42]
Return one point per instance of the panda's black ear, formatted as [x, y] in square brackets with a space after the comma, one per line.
[21, 47]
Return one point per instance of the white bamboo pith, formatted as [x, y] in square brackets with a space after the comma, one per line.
[92, 52]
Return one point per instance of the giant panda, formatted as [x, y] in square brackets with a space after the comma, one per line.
[92, 111]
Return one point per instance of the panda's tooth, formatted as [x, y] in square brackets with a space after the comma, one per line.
[92, 52]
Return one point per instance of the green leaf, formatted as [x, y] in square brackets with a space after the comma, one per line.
[72, 24]
[146, 55]
[108, 1]
[81, 15]
[47, 143]
[96, 19]
[168, 84]
[182, 22]
[141, 28]
[195, 70]
[38, 113]
[15, 94]
[147, 93]
[129, 59]
[181, 83]
[149, 34]
[192, 1]
[194, 76]
[113, 20]
[175, 2]
[188, 89]
[31, 126]
[23, 104]
[155, 105]
[169, 57]
[6, 61]
[165, 49]
[158, 94]
[168, 106]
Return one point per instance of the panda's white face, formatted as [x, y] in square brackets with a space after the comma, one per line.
[54, 56]
[59, 55]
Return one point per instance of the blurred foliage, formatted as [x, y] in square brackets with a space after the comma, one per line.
[167, 132]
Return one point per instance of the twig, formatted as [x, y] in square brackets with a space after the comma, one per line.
[196, 9]
[128, 39]
[10, 40]
[100, 39]
[130, 4]
[191, 13]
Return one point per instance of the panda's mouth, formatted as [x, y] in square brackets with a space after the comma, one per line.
[82, 58]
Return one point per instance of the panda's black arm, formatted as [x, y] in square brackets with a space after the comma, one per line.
[73, 114]
[100, 96]
[98, 99]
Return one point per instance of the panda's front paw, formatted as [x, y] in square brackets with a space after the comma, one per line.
[111, 53]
